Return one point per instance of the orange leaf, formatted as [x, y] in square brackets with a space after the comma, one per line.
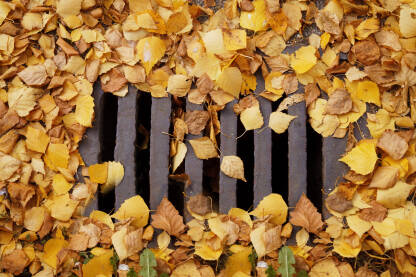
[306, 215]
[167, 218]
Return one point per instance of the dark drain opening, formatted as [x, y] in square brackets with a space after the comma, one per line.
[245, 150]
[314, 166]
[142, 151]
[108, 142]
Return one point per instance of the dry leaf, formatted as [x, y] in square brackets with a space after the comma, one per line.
[233, 167]
[168, 219]
[393, 144]
[34, 75]
[279, 121]
[196, 121]
[204, 148]
[306, 215]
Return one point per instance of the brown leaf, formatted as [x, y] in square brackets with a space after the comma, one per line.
[233, 167]
[34, 75]
[367, 51]
[393, 144]
[272, 238]
[246, 5]
[116, 81]
[345, 270]
[66, 47]
[78, 242]
[20, 193]
[91, 70]
[196, 121]
[384, 177]
[311, 93]
[306, 215]
[338, 203]
[388, 39]
[378, 74]
[167, 218]
[199, 204]
[376, 213]
[365, 272]
[46, 226]
[205, 84]
[133, 241]
[339, 102]
[204, 148]
[15, 262]
[290, 83]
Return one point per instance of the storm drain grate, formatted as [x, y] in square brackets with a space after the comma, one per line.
[134, 130]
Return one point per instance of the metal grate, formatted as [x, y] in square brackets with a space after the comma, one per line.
[296, 162]
[290, 164]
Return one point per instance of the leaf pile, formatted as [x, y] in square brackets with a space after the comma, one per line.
[359, 67]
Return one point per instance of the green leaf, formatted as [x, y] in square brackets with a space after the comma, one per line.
[147, 262]
[253, 259]
[271, 272]
[286, 262]
[86, 255]
[132, 273]
[302, 273]
[114, 261]
[164, 274]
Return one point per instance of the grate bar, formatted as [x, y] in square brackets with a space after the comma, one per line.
[297, 154]
[227, 185]
[332, 149]
[90, 148]
[125, 145]
[193, 166]
[262, 180]
[159, 150]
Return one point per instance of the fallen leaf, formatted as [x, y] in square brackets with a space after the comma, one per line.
[274, 205]
[339, 102]
[168, 219]
[34, 75]
[395, 196]
[233, 167]
[135, 208]
[179, 85]
[384, 177]
[362, 158]
[279, 121]
[204, 148]
[196, 121]
[393, 144]
[306, 215]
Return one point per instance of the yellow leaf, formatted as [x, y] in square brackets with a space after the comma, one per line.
[303, 59]
[367, 27]
[407, 21]
[99, 266]
[179, 85]
[252, 118]
[177, 160]
[34, 218]
[65, 8]
[274, 83]
[98, 173]
[51, 250]
[213, 41]
[358, 225]
[273, 205]
[115, 174]
[382, 122]
[395, 196]
[62, 207]
[235, 39]
[241, 214]
[187, 268]
[203, 250]
[204, 148]
[238, 262]
[102, 217]
[345, 249]
[362, 158]
[405, 227]
[257, 239]
[230, 81]
[395, 240]
[84, 111]
[36, 139]
[57, 155]
[279, 122]
[4, 11]
[60, 184]
[134, 207]
[150, 50]
[368, 91]
[324, 267]
[210, 65]
[385, 227]
[255, 20]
